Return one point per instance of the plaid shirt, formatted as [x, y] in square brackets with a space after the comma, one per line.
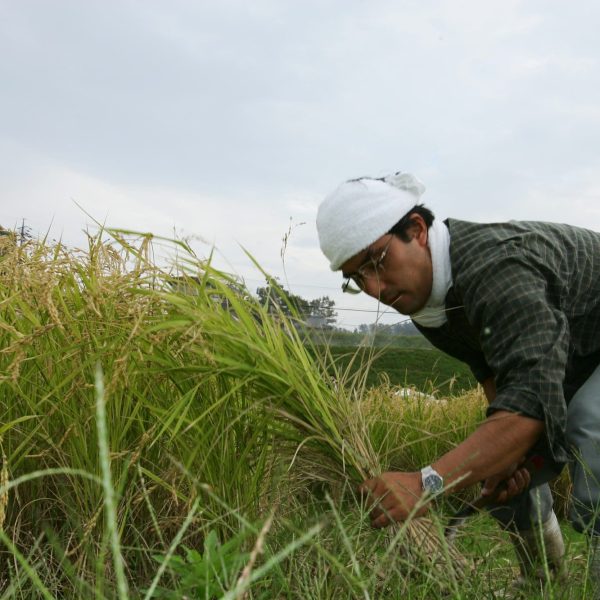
[525, 308]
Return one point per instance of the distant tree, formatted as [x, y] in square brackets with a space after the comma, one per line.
[24, 233]
[277, 298]
[324, 307]
[400, 328]
[21, 234]
[404, 328]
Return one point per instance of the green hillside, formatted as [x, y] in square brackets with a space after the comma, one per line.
[426, 369]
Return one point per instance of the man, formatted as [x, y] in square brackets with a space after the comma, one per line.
[520, 304]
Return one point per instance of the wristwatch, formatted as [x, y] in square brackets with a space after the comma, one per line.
[431, 480]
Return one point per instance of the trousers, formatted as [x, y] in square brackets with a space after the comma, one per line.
[583, 435]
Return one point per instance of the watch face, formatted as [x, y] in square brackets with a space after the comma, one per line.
[433, 483]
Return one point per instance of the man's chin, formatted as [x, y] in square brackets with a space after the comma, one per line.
[404, 306]
[401, 305]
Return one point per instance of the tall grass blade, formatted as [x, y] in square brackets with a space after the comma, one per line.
[109, 495]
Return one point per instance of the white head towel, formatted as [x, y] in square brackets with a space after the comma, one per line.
[360, 211]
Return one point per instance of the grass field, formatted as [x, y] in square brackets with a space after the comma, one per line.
[164, 435]
[426, 369]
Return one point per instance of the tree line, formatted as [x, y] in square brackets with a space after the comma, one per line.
[278, 299]
[320, 312]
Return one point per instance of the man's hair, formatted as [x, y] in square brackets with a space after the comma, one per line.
[402, 227]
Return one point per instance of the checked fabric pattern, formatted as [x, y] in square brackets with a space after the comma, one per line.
[525, 308]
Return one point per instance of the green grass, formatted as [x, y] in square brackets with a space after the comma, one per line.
[428, 370]
[382, 339]
[214, 427]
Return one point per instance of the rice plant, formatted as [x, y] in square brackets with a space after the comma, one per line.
[219, 418]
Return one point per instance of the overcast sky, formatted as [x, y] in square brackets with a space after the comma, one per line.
[226, 119]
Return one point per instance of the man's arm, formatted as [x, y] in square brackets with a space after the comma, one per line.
[499, 442]
[516, 480]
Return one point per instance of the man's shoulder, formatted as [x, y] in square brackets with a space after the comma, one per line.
[470, 232]
[489, 259]
[474, 243]
[495, 232]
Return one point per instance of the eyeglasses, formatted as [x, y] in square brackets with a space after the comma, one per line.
[371, 268]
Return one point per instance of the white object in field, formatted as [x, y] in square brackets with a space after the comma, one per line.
[414, 394]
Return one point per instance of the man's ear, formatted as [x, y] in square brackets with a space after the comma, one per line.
[418, 229]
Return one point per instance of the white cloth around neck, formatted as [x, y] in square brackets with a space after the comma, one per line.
[433, 314]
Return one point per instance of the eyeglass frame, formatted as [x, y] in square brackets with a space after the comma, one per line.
[375, 264]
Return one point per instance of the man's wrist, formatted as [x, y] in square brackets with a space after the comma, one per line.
[432, 482]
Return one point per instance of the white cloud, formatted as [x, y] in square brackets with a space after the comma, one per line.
[225, 119]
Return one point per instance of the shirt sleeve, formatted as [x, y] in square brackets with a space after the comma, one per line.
[525, 339]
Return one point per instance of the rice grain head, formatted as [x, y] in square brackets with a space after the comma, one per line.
[3, 491]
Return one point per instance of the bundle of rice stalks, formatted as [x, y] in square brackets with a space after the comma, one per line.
[199, 375]
[265, 354]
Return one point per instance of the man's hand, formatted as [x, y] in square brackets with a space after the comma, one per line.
[517, 481]
[393, 496]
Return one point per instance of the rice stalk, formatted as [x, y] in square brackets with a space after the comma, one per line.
[248, 345]
[198, 372]
[4, 481]
[109, 499]
[257, 550]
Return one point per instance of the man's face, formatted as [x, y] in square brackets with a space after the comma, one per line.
[403, 277]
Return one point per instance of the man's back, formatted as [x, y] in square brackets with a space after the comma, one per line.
[567, 258]
[525, 308]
